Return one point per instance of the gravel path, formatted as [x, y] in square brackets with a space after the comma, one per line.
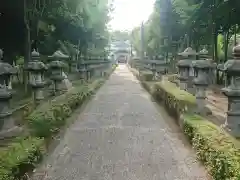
[121, 135]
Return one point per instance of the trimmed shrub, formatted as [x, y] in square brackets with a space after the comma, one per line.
[176, 101]
[215, 148]
[20, 157]
[51, 116]
[148, 85]
[135, 72]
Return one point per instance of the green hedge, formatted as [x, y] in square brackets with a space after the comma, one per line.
[23, 155]
[176, 101]
[51, 116]
[215, 148]
[135, 72]
[20, 157]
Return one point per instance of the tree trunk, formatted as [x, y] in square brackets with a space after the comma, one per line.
[225, 46]
[235, 35]
[27, 47]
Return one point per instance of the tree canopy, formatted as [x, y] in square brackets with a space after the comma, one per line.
[47, 25]
[193, 23]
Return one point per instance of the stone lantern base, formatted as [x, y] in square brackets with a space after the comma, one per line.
[232, 123]
[9, 129]
[63, 86]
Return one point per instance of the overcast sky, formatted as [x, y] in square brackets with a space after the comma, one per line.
[130, 13]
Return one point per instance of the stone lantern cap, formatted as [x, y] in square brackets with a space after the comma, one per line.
[59, 55]
[170, 55]
[220, 67]
[136, 58]
[160, 57]
[35, 55]
[200, 81]
[236, 52]
[188, 52]
[36, 65]
[5, 94]
[204, 51]
[233, 65]
[5, 68]
[202, 64]
[56, 64]
[185, 63]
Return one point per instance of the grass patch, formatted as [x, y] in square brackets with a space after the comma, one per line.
[20, 157]
[48, 118]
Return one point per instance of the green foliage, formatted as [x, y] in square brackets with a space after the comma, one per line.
[20, 60]
[188, 23]
[51, 116]
[20, 157]
[215, 148]
[80, 23]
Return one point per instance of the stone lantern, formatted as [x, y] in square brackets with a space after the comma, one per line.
[104, 65]
[36, 69]
[201, 83]
[204, 55]
[58, 76]
[186, 71]
[82, 69]
[8, 128]
[153, 69]
[160, 66]
[232, 69]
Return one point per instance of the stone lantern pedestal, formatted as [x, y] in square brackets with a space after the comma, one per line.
[160, 67]
[186, 71]
[82, 69]
[89, 72]
[183, 73]
[99, 70]
[36, 69]
[204, 55]
[82, 72]
[232, 69]
[201, 83]
[61, 82]
[153, 69]
[8, 128]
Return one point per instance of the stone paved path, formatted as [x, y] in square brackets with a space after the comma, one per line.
[120, 135]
